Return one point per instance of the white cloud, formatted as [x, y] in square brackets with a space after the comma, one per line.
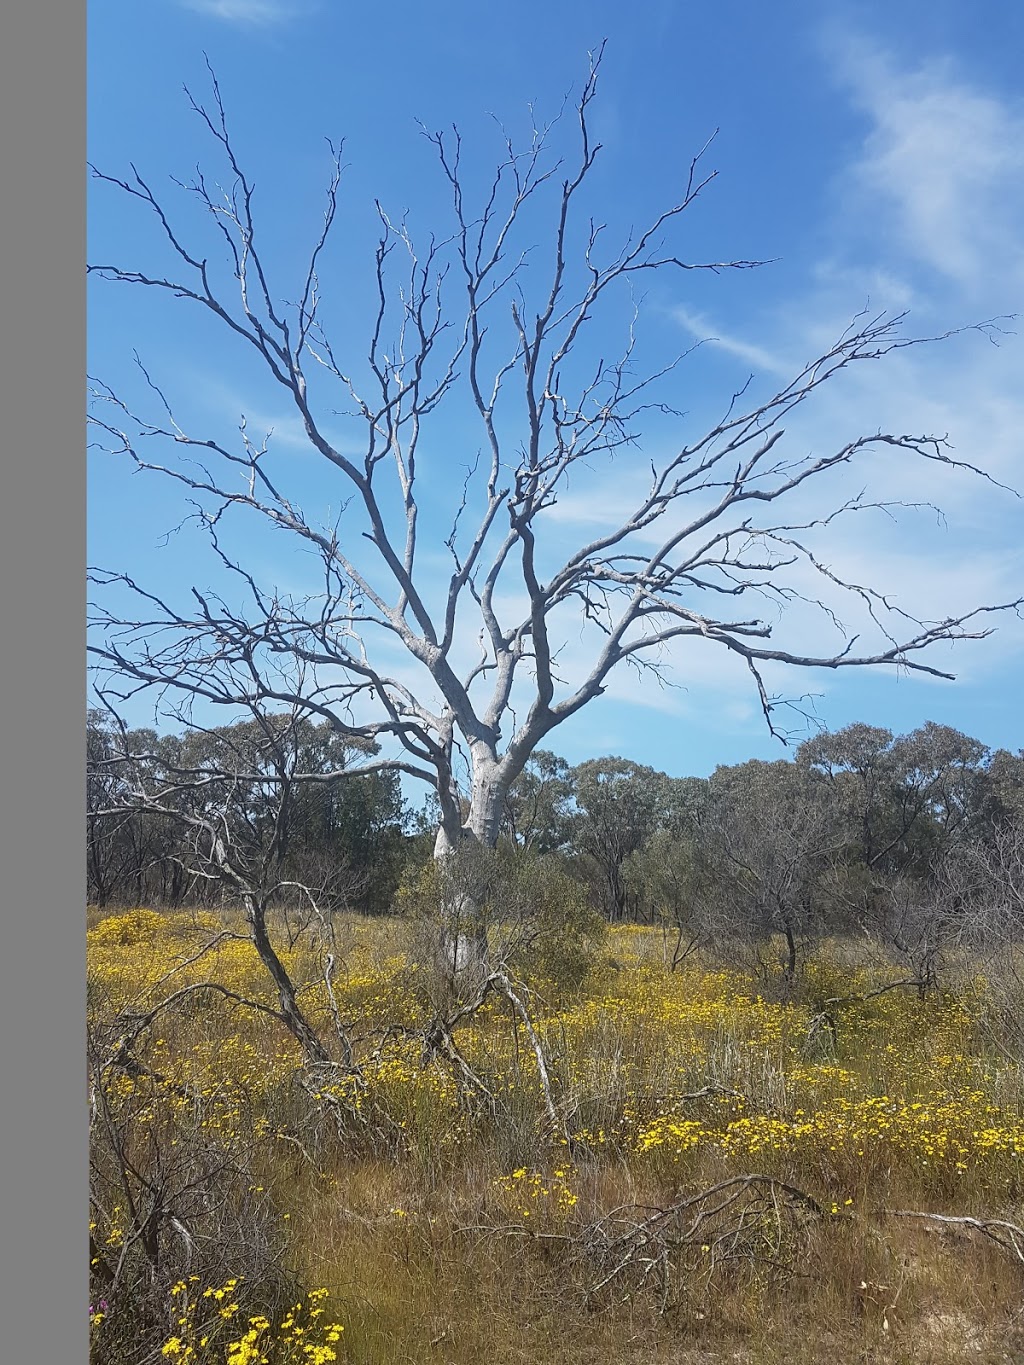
[758, 357]
[943, 160]
[598, 507]
[280, 427]
[255, 12]
[928, 216]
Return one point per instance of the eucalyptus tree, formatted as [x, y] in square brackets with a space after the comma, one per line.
[769, 842]
[666, 876]
[103, 835]
[618, 806]
[502, 316]
[1002, 794]
[908, 796]
[130, 860]
[537, 804]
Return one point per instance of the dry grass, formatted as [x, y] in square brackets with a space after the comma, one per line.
[453, 1226]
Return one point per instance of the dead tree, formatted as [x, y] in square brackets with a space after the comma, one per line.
[232, 805]
[497, 318]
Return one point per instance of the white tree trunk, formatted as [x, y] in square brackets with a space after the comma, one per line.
[463, 940]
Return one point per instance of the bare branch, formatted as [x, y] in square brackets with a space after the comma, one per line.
[483, 323]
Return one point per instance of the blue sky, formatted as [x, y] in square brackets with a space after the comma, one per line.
[874, 152]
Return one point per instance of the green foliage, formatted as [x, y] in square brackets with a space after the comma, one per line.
[536, 815]
[618, 805]
[279, 790]
[535, 916]
[903, 798]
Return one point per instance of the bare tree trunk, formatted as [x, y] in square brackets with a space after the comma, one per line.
[464, 929]
[96, 865]
[463, 939]
[791, 951]
[255, 913]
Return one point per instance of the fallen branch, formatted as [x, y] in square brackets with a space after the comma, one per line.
[825, 1019]
[503, 985]
[1006, 1235]
[740, 1219]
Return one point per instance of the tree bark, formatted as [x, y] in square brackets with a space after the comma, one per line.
[255, 913]
[464, 942]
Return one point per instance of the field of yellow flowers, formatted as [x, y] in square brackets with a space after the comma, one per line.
[709, 1168]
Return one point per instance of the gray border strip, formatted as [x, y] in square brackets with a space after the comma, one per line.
[44, 1207]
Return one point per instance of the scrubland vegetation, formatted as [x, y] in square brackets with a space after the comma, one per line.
[574, 1064]
[682, 1070]
[613, 1159]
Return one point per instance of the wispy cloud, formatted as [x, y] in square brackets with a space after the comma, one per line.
[927, 215]
[942, 161]
[282, 429]
[758, 357]
[254, 12]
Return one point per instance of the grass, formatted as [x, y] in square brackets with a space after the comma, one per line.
[448, 1221]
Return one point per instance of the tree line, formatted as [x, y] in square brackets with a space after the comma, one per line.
[906, 837]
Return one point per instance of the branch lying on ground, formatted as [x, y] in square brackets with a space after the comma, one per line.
[825, 1019]
[1006, 1235]
[743, 1218]
[751, 1219]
